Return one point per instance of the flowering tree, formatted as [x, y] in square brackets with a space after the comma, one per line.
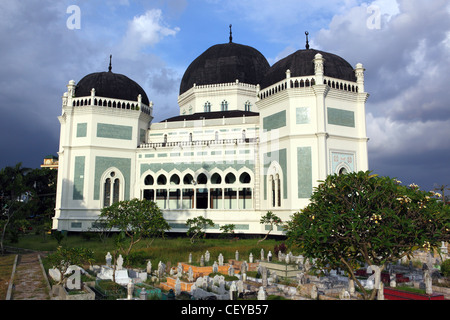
[272, 220]
[136, 218]
[360, 218]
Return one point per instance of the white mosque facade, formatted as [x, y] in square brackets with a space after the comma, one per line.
[250, 138]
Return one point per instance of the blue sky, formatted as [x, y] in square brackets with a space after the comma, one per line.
[403, 44]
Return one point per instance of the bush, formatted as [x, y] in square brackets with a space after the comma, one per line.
[445, 268]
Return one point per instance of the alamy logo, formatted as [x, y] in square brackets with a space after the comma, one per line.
[74, 281]
[74, 20]
[374, 20]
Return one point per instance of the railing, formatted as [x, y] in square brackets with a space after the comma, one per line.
[110, 103]
[197, 143]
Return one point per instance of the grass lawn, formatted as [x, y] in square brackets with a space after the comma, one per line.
[6, 266]
[169, 250]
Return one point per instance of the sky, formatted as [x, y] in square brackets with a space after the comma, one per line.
[404, 46]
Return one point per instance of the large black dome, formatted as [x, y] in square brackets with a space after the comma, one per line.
[225, 63]
[110, 85]
[301, 63]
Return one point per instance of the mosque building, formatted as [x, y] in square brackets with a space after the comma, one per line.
[249, 138]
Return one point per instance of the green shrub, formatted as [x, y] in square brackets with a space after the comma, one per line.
[445, 268]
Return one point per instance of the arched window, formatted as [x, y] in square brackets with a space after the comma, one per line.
[165, 139]
[112, 188]
[162, 180]
[274, 181]
[188, 179]
[230, 178]
[244, 178]
[174, 179]
[248, 106]
[207, 107]
[224, 105]
[216, 178]
[148, 181]
[202, 179]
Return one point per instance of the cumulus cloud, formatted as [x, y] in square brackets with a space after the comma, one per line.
[146, 30]
[407, 61]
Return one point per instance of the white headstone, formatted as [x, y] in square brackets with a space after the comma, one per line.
[108, 258]
[262, 294]
[119, 263]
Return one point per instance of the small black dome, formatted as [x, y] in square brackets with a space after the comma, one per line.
[110, 85]
[225, 63]
[301, 63]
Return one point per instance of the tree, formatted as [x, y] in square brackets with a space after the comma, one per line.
[136, 218]
[197, 227]
[360, 218]
[271, 219]
[63, 258]
[12, 192]
[227, 230]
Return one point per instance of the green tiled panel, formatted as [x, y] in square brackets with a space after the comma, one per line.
[81, 130]
[304, 172]
[302, 115]
[104, 163]
[113, 131]
[341, 117]
[275, 121]
[78, 179]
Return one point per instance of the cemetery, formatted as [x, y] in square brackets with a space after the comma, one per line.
[266, 277]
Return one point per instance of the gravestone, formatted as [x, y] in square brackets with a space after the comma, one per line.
[220, 260]
[207, 256]
[149, 267]
[130, 289]
[108, 259]
[202, 261]
[269, 256]
[119, 263]
[233, 290]
[215, 267]
[190, 258]
[143, 294]
[264, 276]
[237, 255]
[262, 294]
[262, 254]
[177, 287]
[314, 292]
[190, 274]
[250, 258]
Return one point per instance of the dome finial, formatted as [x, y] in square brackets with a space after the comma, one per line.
[110, 66]
[307, 42]
[231, 34]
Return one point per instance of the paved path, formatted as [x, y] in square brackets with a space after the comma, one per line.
[29, 281]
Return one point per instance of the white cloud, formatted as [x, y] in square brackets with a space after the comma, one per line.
[146, 30]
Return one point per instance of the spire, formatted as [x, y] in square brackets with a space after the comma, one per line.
[307, 42]
[110, 66]
[231, 34]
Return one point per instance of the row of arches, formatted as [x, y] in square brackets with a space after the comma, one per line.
[199, 190]
[107, 103]
[307, 83]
